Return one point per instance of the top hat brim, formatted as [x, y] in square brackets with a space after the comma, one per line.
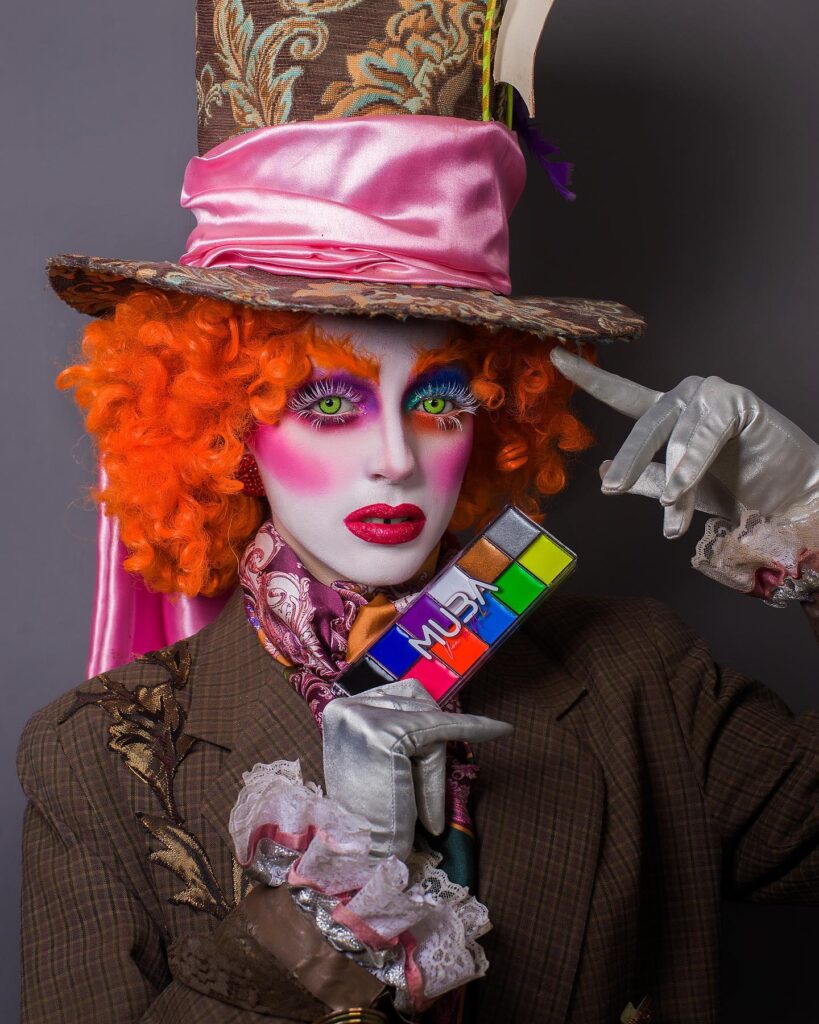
[94, 286]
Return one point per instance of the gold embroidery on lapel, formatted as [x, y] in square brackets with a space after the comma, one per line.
[241, 883]
[642, 1014]
[185, 857]
[148, 733]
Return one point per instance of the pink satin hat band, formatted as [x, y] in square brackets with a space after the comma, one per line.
[400, 200]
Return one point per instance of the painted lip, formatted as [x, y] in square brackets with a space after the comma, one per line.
[413, 523]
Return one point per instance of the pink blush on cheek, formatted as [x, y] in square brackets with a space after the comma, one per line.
[288, 461]
[447, 468]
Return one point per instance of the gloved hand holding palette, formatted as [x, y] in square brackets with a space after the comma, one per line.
[466, 612]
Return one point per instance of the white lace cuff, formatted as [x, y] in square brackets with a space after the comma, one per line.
[406, 923]
[772, 557]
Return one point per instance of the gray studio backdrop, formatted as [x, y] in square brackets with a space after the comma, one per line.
[693, 130]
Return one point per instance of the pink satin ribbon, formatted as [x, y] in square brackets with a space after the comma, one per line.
[128, 619]
[403, 199]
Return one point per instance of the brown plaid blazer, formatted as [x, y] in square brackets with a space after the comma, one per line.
[642, 783]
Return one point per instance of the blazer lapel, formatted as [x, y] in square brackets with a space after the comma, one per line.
[243, 703]
[538, 790]
[274, 730]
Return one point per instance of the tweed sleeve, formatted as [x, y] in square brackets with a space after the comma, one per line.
[757, 765]
[90, 950]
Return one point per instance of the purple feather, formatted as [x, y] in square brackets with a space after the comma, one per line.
[559, 171]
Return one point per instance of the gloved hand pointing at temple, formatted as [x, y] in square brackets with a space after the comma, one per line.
[731, 455]
[385, 759]
[727, 450]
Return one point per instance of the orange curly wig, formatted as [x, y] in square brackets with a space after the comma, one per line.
[171, 385]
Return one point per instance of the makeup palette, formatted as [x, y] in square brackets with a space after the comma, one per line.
[458, 621]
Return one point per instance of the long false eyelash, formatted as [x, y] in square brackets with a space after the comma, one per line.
[452, 389]
[324, 387]
[456, 392]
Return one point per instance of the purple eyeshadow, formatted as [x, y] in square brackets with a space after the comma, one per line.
[345, 382]
[422, 611]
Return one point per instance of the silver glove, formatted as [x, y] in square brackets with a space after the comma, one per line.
[726, 449]
[385, 759]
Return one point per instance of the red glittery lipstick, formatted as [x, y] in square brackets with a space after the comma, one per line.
[386, 524]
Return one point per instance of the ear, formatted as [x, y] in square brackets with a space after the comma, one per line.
[248, 473]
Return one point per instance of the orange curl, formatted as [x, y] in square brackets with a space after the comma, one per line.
[172, 384]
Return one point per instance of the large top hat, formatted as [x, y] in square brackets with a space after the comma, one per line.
[312, 193]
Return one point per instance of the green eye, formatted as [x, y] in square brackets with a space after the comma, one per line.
[435, 405]
[330, 405]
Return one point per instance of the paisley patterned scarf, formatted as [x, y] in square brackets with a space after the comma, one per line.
[307, 625]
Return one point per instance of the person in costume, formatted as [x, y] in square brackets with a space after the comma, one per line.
[289, 420]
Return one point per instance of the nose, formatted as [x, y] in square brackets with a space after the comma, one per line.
[393, 458]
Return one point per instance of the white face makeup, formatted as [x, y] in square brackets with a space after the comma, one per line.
[352, 451]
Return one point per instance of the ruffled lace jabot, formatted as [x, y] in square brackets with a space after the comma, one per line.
[408, 924]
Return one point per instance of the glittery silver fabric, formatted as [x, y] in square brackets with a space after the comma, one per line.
[320, 908]
[271, 863]
[801, 589]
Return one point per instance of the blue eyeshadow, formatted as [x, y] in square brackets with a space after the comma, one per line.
[442, 377]
[393, 651]
[492, 620]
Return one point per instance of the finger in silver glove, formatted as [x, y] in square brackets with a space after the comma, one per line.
[385, 759]
[726, 449]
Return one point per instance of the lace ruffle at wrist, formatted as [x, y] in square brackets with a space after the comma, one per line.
[408, 924]
[772, 557]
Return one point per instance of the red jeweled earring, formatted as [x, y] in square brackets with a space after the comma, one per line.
[249, 475]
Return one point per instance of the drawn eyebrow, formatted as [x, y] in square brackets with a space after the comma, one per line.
[332, 354]
[448, 355]
[338, 358]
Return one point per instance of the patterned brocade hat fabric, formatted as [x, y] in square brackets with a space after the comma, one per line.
[268, 68]
[270, 62]
[94, 286]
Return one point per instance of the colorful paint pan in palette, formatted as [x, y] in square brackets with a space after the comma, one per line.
[466, 612]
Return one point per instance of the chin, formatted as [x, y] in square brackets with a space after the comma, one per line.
[379, 571]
